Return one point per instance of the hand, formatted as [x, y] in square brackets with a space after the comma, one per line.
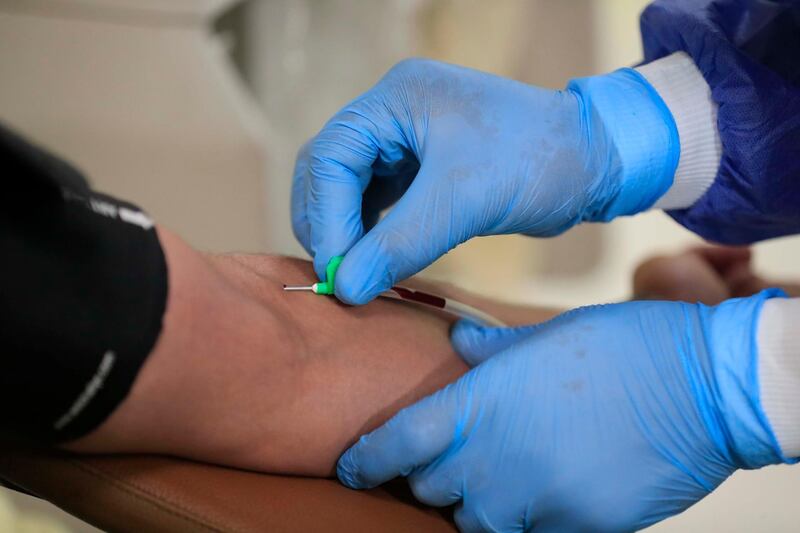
[466, 153]
[707, 274]
[607, 418]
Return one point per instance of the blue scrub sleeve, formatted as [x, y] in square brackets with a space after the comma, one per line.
[749, 53]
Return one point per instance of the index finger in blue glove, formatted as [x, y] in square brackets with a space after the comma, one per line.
[413, 438]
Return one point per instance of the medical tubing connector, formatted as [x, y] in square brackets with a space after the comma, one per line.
[328, 286]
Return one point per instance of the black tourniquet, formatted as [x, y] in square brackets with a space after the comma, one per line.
[83, 288]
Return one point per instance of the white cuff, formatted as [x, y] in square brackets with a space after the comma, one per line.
[688, 97]
[779, 370]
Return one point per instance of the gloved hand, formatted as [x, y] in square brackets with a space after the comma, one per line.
[607, 418]
[466, 154]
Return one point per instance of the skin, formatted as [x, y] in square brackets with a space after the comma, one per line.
[249, 376]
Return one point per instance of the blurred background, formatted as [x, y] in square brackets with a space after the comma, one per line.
[194, 110]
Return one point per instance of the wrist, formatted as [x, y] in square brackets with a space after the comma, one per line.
[634, 138]
[742, 428]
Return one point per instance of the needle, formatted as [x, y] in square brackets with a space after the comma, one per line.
[311, 288]
[321, 287]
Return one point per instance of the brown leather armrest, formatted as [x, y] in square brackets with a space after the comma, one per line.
[145, 493]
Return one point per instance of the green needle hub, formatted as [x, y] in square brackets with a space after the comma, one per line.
[327, 286]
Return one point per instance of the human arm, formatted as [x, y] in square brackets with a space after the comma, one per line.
[247, 375]
[232, 304]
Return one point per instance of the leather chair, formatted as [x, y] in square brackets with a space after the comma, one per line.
[159, 494]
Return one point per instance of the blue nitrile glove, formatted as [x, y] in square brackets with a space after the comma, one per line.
[607, 418]
[466, 153]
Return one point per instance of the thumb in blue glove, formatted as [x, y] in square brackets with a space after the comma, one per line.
[607, 418]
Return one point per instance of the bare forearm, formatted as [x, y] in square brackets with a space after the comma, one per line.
[210, 332]
[249, 376]
[245, 377]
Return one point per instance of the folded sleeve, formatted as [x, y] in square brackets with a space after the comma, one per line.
[748, 52]
[83, 293]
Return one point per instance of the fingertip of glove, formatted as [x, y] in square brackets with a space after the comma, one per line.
[349, 288]
[466, 337]
[347, 472]
[355, 284]
[465, 330]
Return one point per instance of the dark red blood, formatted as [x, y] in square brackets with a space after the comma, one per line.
[421, 297]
